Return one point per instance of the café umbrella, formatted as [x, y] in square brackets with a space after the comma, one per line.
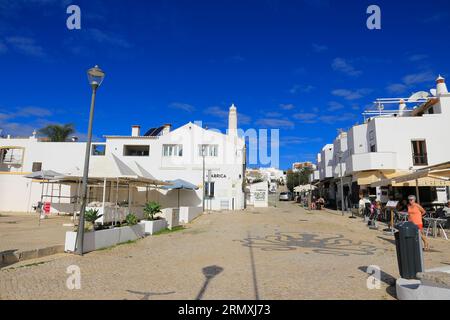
[178, 185]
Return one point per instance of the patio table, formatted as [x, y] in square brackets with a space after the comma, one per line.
[435, 224]
[403, 216]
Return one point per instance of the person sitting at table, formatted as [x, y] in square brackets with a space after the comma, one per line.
[415, 214]
[447, 208]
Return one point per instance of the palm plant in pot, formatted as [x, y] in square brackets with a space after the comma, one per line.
[151, 209]
[152, 223]
[91, 216]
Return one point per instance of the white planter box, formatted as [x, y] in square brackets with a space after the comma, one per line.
[104, 238]
[151, 227]
[187, 214]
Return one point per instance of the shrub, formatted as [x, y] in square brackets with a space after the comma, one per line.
[131, 219]
[151, 208]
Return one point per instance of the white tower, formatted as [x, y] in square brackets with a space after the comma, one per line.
[232, 121]
[441, 86]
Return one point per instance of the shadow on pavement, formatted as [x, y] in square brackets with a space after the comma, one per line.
[209, 272]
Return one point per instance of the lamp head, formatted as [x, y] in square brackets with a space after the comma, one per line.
[95, 76]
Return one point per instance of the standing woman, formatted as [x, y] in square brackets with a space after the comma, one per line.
[415, 214]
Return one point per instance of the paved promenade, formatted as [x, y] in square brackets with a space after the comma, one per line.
[276, 253]
[22, 231]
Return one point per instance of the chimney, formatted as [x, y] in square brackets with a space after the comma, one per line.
[135, 131]
[402, 107]
[441, 86]
[167, 128]
[232, 121]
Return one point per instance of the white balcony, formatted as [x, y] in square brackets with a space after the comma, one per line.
[371, 161]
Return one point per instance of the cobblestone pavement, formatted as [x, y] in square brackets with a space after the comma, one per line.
[275, 253]
[21, 231]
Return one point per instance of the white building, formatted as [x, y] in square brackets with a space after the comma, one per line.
[390, 143]
[164, 154]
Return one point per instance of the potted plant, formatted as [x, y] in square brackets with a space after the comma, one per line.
[131, 220]
[91, 216]
[152, 223]
[131, 230]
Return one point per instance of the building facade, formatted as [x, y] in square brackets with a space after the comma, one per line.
[390, 143]
[190, 152]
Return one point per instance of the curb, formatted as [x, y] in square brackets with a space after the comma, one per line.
[8, 258]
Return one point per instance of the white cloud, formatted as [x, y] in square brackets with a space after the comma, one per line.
[216, 112]
[275, 123]
[26, 46]
[296, 140]
[306, 117]
[410, 81]
[288, 106]
[397, 88]
[333, 106]
[417, 57]
[296, 88]
[351, 94]
[342, 65]
[182, 106]
[220, 112]
[420, 77]
[319, 47]
[108, 38]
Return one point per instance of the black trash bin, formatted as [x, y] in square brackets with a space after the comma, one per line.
[409, 250]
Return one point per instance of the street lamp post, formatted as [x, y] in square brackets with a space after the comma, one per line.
[95, 77]
[342, 181]
[203, 176]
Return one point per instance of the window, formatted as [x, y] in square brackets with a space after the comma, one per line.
[11, 155]
[211, 150]
[136, 151]
[37, 166]
[419, 149]
[209, 189]
[172, 150]
[98, 149]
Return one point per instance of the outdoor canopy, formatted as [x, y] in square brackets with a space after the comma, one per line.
[433, 176]
[180, 184]
[112, 168]
[44, 175]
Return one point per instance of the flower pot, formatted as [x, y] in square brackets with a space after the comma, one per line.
[153, 226]
[95, 240]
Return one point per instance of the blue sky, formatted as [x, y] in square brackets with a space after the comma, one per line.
[305, 67]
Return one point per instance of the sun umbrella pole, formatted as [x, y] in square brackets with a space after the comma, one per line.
[103, 198]
[417, 191]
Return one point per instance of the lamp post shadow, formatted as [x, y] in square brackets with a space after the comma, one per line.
[209, 272]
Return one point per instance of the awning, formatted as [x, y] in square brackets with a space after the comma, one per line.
[111, 168]
[44, 175]
[369, 177]
[433, 176]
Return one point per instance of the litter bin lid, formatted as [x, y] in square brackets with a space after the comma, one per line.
[407, 228]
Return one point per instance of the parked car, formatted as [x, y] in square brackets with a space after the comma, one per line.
[285, 196]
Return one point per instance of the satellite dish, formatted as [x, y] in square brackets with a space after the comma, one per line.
[418, 96]
[433, 92]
